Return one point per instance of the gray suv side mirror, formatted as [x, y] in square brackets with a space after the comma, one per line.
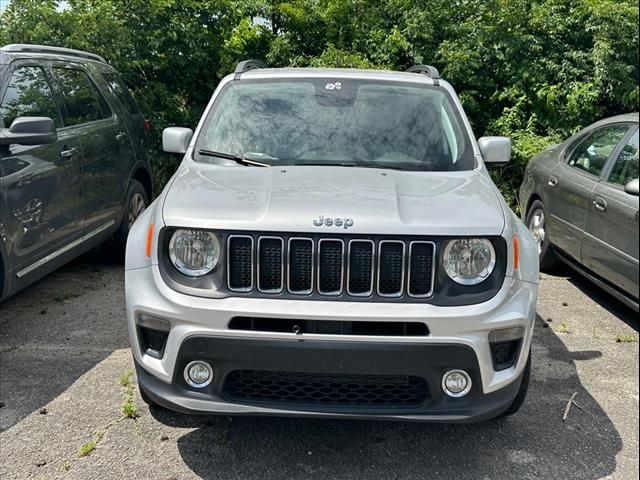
[29, 131]
[495, 150]
[633, 187]
[176, 139]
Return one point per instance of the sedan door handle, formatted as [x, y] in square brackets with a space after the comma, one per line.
[68, 152]
[553, 181]
[600, 204]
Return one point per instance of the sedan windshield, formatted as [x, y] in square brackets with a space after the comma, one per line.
[356, 123]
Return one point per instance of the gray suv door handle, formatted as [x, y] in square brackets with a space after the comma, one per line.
[600, 204]
[68, 152]
[553, 181]
[121, 136]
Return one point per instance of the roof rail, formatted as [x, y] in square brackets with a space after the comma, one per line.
[427, 70]
[21, 47]
[246, 65]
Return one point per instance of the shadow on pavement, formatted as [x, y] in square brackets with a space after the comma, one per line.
[57, 329]
[535, 443]
[602, 298]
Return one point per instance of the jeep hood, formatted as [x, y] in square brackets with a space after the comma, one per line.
[289, 199]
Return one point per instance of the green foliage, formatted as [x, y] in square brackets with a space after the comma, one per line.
[534, 70]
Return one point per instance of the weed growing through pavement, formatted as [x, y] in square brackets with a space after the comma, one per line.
[129, 407]
[564, 328]
[62, 297]
[125, 378]
[90, 446]
[625, 338]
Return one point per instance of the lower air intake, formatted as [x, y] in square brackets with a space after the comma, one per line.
[375, 391]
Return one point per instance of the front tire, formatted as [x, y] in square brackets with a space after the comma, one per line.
[536, 223]
[522, 391]
[148, 400]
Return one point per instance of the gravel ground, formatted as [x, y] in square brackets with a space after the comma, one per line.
[63, 351]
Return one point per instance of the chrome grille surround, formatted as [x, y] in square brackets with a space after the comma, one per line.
[381, 246]
[412, 244]
[315, 266]
[260, 261]
[372, 274]
[320, 279]
[230, 240]
[290, 266]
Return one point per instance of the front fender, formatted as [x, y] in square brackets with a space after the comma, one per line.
[529, 268]
[136, 252]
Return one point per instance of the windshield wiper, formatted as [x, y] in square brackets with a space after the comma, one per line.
[347, 164]
[246, 159]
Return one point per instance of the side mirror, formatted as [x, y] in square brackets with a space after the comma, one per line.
[176, 139]
[633, 187]
[29, 131]
[495, 150]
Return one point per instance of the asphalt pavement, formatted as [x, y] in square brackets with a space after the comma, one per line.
[64, 358]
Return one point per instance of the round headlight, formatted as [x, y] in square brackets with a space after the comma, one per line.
[469, 261]
[194, 252]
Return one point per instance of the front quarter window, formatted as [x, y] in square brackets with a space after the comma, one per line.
[347, 122]
[626, 166]
[28, 95]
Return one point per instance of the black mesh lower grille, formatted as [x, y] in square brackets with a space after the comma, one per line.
[330, 266]
[420, 269]
[376, 391]
[270, 264]
[360, 267]
[391, 268]
[240, 263]
[300, 265]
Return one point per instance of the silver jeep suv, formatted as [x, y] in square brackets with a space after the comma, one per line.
[332, 245]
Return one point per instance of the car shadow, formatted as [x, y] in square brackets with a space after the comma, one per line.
[597, 294]
[535, 443]
[56, 330]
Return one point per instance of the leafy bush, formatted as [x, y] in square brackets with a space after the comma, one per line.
[534, 70]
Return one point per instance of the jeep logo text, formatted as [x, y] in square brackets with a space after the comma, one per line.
[331, 222]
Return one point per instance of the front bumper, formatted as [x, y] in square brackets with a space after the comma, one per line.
[458, 339]
[324, 357]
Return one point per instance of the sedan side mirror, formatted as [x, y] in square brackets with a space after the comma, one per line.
[176, 139]
[633, 187]
[29, 131]
[495, 150]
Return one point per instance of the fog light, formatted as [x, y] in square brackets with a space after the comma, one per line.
[456, 383]
[198, 374]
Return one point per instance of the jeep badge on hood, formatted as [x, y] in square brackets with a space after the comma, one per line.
[338, 222]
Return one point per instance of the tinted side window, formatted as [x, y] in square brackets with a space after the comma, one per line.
[592, 154]
[118, 88]
[28, 95]
[626, 167]
[82, 100]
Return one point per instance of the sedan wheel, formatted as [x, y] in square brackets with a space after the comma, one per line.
[536, 227]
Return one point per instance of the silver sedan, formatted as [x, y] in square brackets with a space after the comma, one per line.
[579, 199]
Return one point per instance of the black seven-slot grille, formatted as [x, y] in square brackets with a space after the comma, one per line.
[375, 391]
[356, 267]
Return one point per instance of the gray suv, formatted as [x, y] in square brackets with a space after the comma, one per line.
[73, 171]
[332, 245]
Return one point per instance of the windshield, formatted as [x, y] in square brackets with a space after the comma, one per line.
[340, 122]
